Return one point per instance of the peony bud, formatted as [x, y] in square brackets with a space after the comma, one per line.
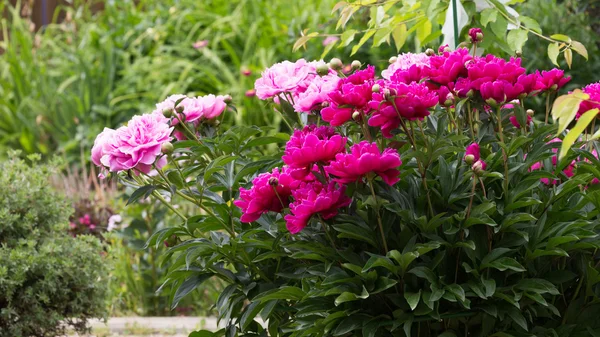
[336, 63]
[179, 109]
[166, 148]
[273, 181]
[171, 241]
[479, 167]
[449, 100]
[227, 99]
[554, 87]
[393, 59]
[429, 52]
[356, 115]
[355, 65]
[250, 93]
[518, 53]
[322, 69]
[530, 112]
[246, 71]
[476, 35]
[376, 88]
[491, 102]
[469, 159]
[387, 95]
[168, 113]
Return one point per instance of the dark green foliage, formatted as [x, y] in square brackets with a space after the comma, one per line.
[46, 277]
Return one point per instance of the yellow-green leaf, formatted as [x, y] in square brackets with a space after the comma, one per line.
[516, 39]
[399, 34]
[488, 15]
[328, 48]
[553, 51]
[338, 6]
[347, 37]
[530, 24]
[576, 131]
[301, 42]
[565, 108]
[568, 53]
[423, 29]
[561, 37]
[579, 48]
[362, 41]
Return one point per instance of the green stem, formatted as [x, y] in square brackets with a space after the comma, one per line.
[385, 246]
[504, 155]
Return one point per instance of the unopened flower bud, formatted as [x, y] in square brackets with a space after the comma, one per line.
[246, 72]
[470, 93]
[554, 87]
[166, 148]
[449, 100]
[387, 95]
[393, 59]
[446, 49]
[171, 241]
[478, 167]
[355, 65]
[469, 159]
[429, 52]
[356, 115]
[322, 69]
[530, 112]
[168, 113]
[325, 104]
[491, 102]
[273, 181]
[227, 99]
[518, 53]
[250, 93]
[336, 63]
[376, 88]
[179, 109]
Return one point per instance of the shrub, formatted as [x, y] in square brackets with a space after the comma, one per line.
[48, 280]
[427, 203]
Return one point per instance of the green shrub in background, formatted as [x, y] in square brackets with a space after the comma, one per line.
[47, 278]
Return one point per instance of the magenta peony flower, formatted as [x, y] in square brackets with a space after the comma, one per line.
[491, 68]
[315, 198]
[413, 101]
[449, 66]
[270, 192]
[472, 150]
[462, 87]
[476, 35]
[353, 93]
[365, 158]
[284, 77]
[515, 122]
[529, 83]
[317, 92]
[594, 91]
[135, 146]
[500, 91]
[404, 62]
[313, 145]
[551, 80]
[413, 74]
[443, 48]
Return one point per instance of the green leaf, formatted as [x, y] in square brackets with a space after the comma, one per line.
[505, 263]
[142, 192]
[457, 290]
[348, 296]
[579, 48]
[187, 286]
[347, 37]
[284, 293]
[539, 286]
[516, 39]
[362, 41]
[412, 299]
[249, 313]
[553, 51]
[565, 108]
[202, 333]
[582, 123]
[488, 15]
[399, 34]
[499, 27]
[517, 317]
[531, 24]
[561, 37]
[379, 261]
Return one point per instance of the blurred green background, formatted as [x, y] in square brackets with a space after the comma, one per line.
[97, 63]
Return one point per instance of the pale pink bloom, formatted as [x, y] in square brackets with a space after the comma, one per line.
[404, 62]
[317, 92]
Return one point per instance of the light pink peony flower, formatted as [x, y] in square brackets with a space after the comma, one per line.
[202, 107]
[315, 198]
[317, 92]
[167, 104]
[404, 62]
[313, 145]
[285, 77]
[270, 192]
[365, 158]
[135, 146]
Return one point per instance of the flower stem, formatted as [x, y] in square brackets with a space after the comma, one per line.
[385, 246]
[504, 155]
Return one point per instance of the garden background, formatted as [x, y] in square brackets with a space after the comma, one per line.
[68, 73]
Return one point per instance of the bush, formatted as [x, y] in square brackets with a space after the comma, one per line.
[427, 203]
[48, 280]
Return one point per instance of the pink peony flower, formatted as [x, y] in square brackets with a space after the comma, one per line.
[202, 107]
[462, 87]
[500, 91]
[167, 104]
[491, 68]
[476, 35]
[315, 198]
[135, 146]
[283, 77]
[313, 145]
[449, 66]
[365, 158]
[594, 91]
[413, 74]
[250, 93]
[353, 93]
[472, 150]
[317, 92]
[270, 192]
[515, 122]
[413, 101]
[551, 80]
[443, 48]
[404, 62]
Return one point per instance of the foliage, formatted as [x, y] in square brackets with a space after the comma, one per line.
[497, 241]
[64, 83]
[48, 280]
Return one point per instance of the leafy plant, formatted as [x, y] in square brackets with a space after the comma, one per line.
[48, 280]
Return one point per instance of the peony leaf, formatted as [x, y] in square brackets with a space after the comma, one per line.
[516, 39]
[579, 48]
[568, 53]
[561, 37]
[488, 15]
[575, 132]
[553, 51]
[412, 299]
[565, 108]
[399, 34]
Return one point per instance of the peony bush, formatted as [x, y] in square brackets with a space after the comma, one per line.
[428, 201]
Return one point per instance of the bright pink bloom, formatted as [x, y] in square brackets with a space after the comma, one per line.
[594, 91]
[473, 35]
[202, 107]
[404, 62]
[315, 198]
[479, 165]
[353, 93]
[442, 48]
[250, 93]
[97, 150]
[552, 80]
[500, 91]
[270, 192]
[168, 104]
[413, 74]
[529, 83]
[473, 150]
[515, 122]
[461, 87]
[135, 146]
[313, 145]
[491, 68]
[413, 101]
[449, 66]
[317, 92]
[284, 77]
[365, 158]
